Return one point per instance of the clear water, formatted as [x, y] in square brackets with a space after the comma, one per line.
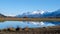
[29, 24]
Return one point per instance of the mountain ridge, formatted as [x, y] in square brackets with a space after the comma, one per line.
[41, 14]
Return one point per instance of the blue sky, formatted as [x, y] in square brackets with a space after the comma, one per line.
[15, 7]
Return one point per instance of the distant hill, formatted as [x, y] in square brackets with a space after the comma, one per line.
[56, 13]
[1, 15]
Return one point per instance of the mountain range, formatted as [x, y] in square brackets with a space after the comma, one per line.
[40, 14]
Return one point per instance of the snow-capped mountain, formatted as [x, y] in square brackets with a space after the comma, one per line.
[40, 14]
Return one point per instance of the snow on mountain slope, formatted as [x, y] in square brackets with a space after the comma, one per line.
[41, 14]
[38, 12]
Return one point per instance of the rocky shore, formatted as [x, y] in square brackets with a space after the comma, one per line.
[44, 30]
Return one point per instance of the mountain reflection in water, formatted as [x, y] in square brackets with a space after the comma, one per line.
[29, 24]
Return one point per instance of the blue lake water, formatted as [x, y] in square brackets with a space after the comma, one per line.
[29, 24]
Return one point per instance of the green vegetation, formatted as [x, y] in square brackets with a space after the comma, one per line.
[2, 20]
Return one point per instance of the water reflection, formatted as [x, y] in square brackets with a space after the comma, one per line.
[23, 24]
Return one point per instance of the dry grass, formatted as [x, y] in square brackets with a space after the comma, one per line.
[30, 19]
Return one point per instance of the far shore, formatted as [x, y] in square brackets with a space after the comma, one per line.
[28, 19]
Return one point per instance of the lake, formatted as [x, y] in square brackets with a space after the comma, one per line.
[29, 24]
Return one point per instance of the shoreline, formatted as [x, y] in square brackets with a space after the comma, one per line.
[28, 19]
